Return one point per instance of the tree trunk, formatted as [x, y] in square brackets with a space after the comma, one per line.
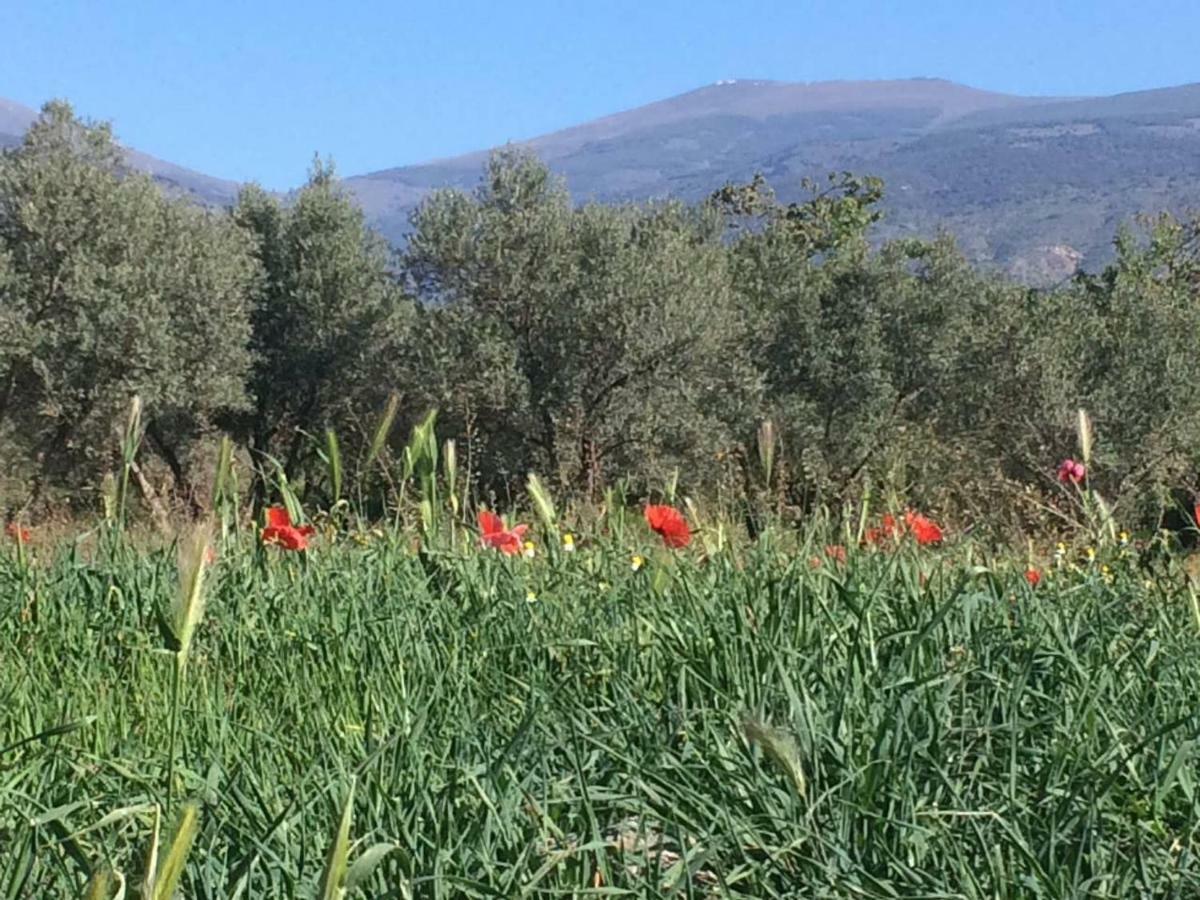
[183, 485]
[156, 508]
[6, 390]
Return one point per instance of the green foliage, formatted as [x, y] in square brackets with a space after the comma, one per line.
[107, 290]
[1132, 334]
[910, 723]
[823, 306]
[580, 342]
[587, 343]
[326, 321]
[827, 219]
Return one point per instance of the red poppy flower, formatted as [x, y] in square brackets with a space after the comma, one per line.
[1071, 472]
[926, 531]
[836, 552]
[493, 533]
[888, 529]
[282, 533]
[670, 525]
[1033, 576]
[17, 533]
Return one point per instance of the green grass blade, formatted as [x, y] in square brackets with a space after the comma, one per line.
[172, 866]
[337, 860]
[333, 454]
[365, 864]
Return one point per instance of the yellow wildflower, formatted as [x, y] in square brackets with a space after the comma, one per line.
[637, 562]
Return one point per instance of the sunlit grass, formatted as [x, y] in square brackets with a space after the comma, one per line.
[906, 724]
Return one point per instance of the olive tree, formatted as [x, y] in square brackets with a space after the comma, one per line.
[328, 317]
[607, 339]
[111, 290]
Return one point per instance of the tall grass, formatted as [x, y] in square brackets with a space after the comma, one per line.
[749, 725]
[185, 614]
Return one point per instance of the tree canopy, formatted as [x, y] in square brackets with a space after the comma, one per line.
[590, 343]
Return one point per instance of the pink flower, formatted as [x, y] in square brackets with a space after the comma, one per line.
[1071, 472]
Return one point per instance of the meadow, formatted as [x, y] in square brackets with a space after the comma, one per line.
[383, 711]
[253, 645]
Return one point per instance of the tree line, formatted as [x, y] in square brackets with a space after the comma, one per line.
[594, 344]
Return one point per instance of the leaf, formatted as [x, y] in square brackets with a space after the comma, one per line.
[366, 863]
[333, 453]
[781, 748]
[99, 886]
[57, 814]
[151, 875]
[167, 882]
[119, 815]
[65, 728]
[339, 852]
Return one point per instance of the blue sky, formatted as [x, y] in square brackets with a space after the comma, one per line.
[251, 89]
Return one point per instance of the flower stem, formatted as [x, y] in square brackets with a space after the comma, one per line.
[176, 683]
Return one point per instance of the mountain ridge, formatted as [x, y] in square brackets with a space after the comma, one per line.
[1033, 185]
[15, 119]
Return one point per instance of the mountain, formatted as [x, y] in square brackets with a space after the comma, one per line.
[176, 180]
[1035, 185]
[689, 145]
[14, 119]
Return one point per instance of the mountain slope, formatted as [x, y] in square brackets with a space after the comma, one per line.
[15, 119]
[690, 144]
[1035, 185]
[1024, 183]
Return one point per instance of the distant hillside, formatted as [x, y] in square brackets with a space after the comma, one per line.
[1035, 185]
[15, 119]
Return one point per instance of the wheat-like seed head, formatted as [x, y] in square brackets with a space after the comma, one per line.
[543, 503]
[188, 608]
[1086, 437]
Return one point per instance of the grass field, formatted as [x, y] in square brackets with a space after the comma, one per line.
[907, 724]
